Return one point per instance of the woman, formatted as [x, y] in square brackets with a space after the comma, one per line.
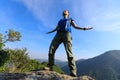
[63, 36]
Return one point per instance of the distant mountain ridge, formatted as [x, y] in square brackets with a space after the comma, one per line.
[57, 62]
[103, 67]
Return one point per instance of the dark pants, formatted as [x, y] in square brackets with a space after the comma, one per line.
[64, 37]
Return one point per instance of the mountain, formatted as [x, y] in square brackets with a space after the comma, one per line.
[102, 67]
[60, 63]
[57, 62]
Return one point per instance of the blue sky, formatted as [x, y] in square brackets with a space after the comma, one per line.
[33, 18]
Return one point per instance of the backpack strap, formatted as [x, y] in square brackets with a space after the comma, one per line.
[70, 20]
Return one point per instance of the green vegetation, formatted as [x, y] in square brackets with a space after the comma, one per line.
[18, 60]
[4, 57]
[10, 36]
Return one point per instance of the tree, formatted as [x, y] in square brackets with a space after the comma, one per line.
[35, 65]
[18, 59]
[1, 41]
[4, 57]
[10, 35]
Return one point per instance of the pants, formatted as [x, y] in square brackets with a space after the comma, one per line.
[65, 38]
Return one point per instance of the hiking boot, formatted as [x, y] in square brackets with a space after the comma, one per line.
[48, 68]
[51, 68]
[73, 75]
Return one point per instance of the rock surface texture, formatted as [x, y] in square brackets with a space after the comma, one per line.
[41, 75]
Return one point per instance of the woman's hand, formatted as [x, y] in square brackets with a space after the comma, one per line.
[88, 28]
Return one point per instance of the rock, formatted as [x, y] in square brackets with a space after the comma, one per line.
[41, 75]
[12, 76]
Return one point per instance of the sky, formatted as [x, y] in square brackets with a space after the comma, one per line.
[33, 18]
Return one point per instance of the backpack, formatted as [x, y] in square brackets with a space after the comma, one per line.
[64, 25]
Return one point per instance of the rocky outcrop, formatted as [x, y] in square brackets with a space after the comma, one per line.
[40, 75]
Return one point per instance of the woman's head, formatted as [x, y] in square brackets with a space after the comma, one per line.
[65, 13]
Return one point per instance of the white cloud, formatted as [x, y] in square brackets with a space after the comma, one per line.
[103, 15]
[44, 10]
[40, 9]
[105, 22]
